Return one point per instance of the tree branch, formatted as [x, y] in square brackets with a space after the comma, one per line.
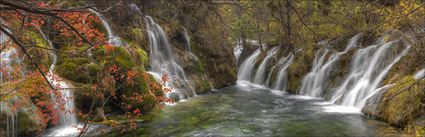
[22, 46]
[47, 13]
[302, 21]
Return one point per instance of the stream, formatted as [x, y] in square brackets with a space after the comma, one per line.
[251, 110]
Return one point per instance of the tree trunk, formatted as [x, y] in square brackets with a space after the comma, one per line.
[288, 23]
[259, 36]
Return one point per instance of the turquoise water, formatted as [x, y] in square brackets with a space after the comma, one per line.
[251, 111]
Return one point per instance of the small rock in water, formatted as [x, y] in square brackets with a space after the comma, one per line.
[420, 74]
[213, 90]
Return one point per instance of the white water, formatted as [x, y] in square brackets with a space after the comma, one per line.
[369, 67]
[187, 39]
[114, 40]
[11, 118]
[247, 67]
[68, 123]
[315, 82]
[8, 58]
[237, 51]
[420, 74]
[269, 76]
[282, 77]
[263, 73]
[162, 62]
[260, 75]
[187, 44]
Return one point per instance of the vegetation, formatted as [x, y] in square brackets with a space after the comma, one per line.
[111, 81]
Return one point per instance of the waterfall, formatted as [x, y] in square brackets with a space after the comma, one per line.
[67, 117]
[368, 68]
[247, 67]
[269, 76]
[282, 77]
[8, 59]
[187, 44]
[420, 74]
[114, 40]
[237, 51]
[11, 117]
[162, 62]
[187, 39]
[259, 77]
[314, 83]
[263, 73]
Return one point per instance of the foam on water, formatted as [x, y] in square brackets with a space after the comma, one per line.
[302, 97]
[341, 109]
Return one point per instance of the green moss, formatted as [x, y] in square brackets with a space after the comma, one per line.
[300, 66]
[82, 97]
[202, 85]
[27, 126]
[198, 67]
[99, 26]
[156, 92]
[123, 58]
[141, 87]
[79, 70]
[420, 131]
[93, 69]
[401, 109]
[138, 33]
[143, 56]
[148, 103]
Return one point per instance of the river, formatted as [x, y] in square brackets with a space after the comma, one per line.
[247, 110]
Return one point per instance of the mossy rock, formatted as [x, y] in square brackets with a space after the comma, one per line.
[402, 108]
[83, 97]
[79, 70]
[201, 85]
[300, 67]
[142, 57]
[149, 102]
[123, 58]
[28, 126]
[28, 123]
[118, 55]
[142, 88]
[157, 92]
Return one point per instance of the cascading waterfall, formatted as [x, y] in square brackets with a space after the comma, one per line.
[237, 51]
[114, 40]
[259, 77]
[11, 118]
[269, 76]
[162, 62]
[314, 83]
[67, 117]
[368, 69]
[187, 39]
[187, 44]
[8, 57]
[263, 73]
[282, 78]
[247, 67]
